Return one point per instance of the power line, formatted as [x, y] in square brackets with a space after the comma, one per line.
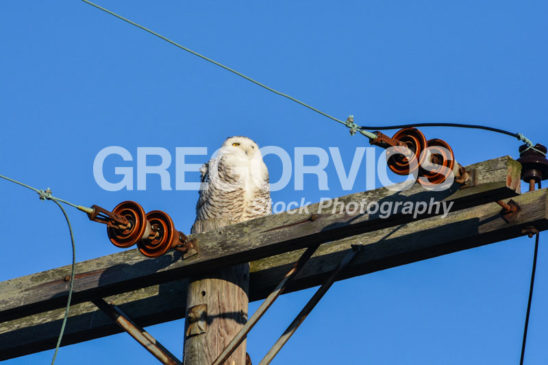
[528, 312]
[530, 299]
[443, 124]
[46, 195]
[71, 284]
[519, 136]
[353, 127]
[347, 123]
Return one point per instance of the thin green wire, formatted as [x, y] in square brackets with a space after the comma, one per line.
[20, 183]
[47, 195]
[71, 283]
[44, 194]
[350, 124]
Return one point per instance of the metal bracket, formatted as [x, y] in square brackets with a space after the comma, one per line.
[509, 210]
[384, 141]
[188, 247]
[112, 220]
[280, 288]
[530, 231]
[197, 320]
[464, 177]
[310, 305]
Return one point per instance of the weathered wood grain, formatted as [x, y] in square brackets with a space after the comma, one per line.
[126, 274]
[244, 242]
[225, 297]
[383, 249]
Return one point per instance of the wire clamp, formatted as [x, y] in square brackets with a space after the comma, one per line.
[45, 194]
[530, 231]
[350, 124]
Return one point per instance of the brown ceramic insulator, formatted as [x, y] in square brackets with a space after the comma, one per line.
[534, 163]
[165, 235]
[440, 153]
[416, 142]
[126, 237]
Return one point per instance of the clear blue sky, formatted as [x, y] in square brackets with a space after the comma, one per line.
[74, 80]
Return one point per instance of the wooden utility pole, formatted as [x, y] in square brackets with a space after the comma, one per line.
[216, 310]
[151, 291]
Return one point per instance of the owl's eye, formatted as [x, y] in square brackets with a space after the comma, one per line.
[235, 144]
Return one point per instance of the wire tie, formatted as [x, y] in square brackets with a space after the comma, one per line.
[537, 150]
[527, 141]
[530, 145]
[534, 149]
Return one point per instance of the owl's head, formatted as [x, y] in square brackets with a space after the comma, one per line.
[242, 145]
[240, 158]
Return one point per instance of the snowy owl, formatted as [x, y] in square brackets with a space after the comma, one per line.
[234, 187]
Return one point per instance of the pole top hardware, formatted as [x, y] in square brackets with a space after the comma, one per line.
[534, 162]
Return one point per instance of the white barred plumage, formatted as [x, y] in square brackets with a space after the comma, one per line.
[235, 186]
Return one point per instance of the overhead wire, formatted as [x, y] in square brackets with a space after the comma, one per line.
[530, 297]
[46, 195]
[529, 300]
[71, 284]
[519, 136]
[442, 124]
[349, 123]
[354, 128]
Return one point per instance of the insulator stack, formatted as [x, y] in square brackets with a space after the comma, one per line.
[433, 159]
[154, 232]
[403, 161]
[439, 161]
[413, 139]
[137, 228]
[165, 235]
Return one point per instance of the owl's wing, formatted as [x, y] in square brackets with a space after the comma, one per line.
[266, 193]
[261, 203]
[266, 177]
[223, 198]
[204, 186]
[204, 171]
[211, 207]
